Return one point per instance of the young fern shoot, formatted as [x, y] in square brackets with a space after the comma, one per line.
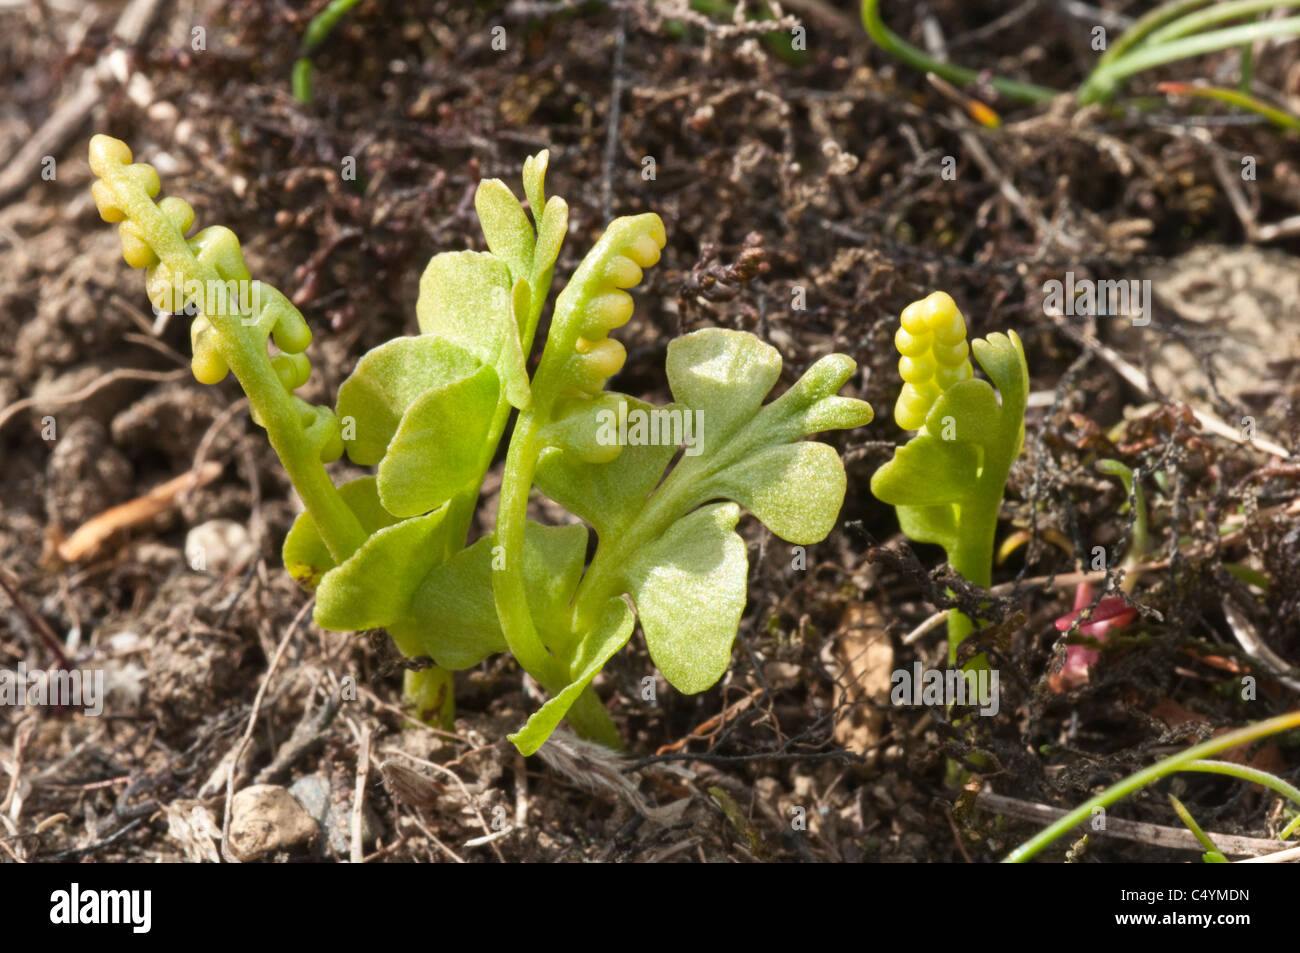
[235, 316]
[946, 483]
[389, 551]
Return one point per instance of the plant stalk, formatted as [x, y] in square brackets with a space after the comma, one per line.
[587, 716]
[903, 51]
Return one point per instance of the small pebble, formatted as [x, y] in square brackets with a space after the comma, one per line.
[333, 814]
[266, 818]
[218, 547]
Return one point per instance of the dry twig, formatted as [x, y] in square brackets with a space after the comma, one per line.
[96, 531]
[1177, 838]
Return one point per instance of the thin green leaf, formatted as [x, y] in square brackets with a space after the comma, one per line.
[611, 634]
[534, 177]
[1003, 358]
[550, 236]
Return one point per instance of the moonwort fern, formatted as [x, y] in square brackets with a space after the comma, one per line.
[946, 483]
[429, 411]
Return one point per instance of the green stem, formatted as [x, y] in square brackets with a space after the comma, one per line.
[323, 23]
[301, 80]
[430, 692]
[587, 716]
[1133, 491]
[334, 520]
[972, 558]
[317, 31]
[508, 582]
[977, 527]
[337, 524]
[903, 51]
[1155, 772]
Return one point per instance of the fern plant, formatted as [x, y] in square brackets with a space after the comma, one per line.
[946, 483]
[429, 411]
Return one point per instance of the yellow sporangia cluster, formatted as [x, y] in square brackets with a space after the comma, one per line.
[207, 271]
[935, 355]
[632, 244]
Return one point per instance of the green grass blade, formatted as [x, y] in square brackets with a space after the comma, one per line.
[1155, 772]
[1104, 79]
[1234, 97]
[903, 51]
[1219, 13]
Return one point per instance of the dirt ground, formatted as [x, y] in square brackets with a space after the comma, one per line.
[830, 160]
